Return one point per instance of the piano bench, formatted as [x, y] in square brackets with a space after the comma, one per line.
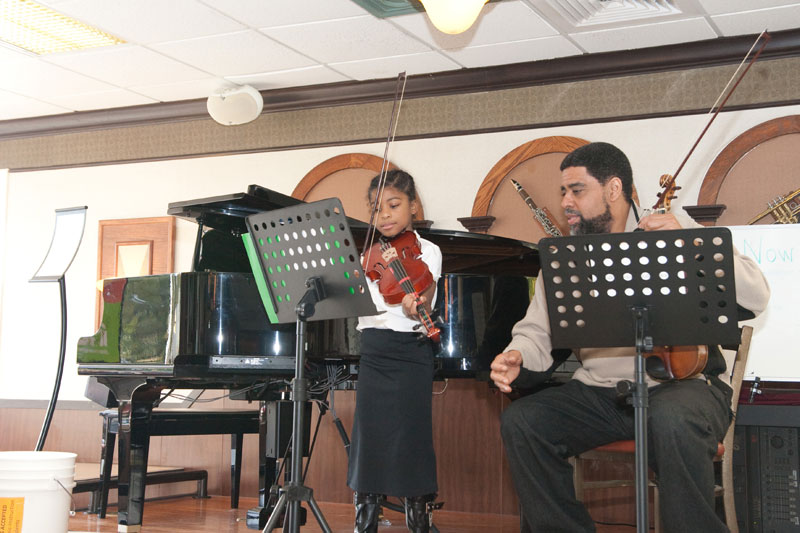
[169, 422]
[85, 482]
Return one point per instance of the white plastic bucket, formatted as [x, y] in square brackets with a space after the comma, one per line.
[35, 491]
[26, 474]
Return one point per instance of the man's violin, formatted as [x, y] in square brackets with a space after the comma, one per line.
[666, 363]
[681, 362]
[398, 268]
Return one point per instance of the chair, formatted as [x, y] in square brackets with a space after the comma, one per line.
[624, 451]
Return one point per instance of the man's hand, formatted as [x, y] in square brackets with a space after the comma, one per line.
[505, 369]
[657, 222]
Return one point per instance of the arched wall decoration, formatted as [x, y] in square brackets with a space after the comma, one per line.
[753, 169]
[535, 165]
[346, 177]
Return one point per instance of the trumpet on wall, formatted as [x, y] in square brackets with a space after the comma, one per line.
[784, 209]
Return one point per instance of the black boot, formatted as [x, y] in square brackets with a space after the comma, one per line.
[367, 512]
[418, 517]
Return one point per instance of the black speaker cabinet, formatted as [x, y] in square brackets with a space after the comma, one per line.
[765, 477]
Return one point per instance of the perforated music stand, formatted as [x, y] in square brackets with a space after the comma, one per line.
[306, 267]
[674, 287]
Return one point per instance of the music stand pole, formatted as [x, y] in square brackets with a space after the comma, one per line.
[296, 492]
[644, 343]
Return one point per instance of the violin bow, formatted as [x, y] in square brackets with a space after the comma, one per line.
[399, 91]
[668, 184]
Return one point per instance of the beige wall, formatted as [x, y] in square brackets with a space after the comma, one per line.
[448, 170]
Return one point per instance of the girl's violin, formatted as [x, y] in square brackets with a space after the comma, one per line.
[398, 268]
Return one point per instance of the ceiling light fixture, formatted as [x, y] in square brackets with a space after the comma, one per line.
[453, 16]
[235, 105]
[38, 29]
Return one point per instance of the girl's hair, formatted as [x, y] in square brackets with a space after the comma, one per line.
[398, 179]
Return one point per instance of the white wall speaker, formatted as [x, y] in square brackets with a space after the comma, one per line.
[234, 106]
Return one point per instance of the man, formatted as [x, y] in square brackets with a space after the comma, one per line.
[686, 419]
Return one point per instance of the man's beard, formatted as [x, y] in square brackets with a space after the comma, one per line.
[599, 224]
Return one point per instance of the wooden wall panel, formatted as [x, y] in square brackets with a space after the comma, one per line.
[472, 470]
[113, 235]
[467, 439]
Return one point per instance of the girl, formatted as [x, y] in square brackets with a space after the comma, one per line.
[392, 443]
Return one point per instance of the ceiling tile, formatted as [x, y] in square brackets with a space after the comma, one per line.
[150, 21]
[102, 99]
[717, 7]
[497, 23]
[515, 52]
[15, 106]
[183, 90]
[388, 67]
[127, 65]
[267, 14]
[12, 56]
[644, 36]
[752, 22]
[347, 40]
[29, 76]
[188, 49]
[231, 54]
[289, 78]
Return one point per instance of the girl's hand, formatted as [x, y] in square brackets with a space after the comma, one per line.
[410, 303]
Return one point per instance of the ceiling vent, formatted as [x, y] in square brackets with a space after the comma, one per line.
[582, 13]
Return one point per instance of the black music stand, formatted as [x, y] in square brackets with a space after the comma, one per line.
[674, 287]
[306, 268]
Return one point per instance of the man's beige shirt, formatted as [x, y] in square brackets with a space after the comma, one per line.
[604, 367]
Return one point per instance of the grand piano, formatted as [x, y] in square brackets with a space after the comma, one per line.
[207, 329]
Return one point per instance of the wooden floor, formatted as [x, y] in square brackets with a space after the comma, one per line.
[214, 515]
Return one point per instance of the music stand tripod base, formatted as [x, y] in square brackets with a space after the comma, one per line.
[676, 288]
[306, 268]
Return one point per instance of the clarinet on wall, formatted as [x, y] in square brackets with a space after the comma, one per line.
[541, 214]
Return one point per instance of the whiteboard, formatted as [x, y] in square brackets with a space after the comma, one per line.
[774, 353]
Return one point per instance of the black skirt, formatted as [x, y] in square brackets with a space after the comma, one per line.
[391, 449]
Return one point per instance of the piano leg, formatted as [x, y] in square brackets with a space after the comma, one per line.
[267, 471]
[133, 441]
[237, 440]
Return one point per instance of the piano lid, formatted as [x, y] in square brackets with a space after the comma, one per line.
[477, 253]
[229, 211]
[462, 252]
